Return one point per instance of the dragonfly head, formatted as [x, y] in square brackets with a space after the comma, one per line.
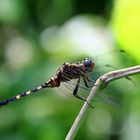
[88, 64]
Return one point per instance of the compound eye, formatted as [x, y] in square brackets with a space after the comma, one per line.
[88, 64]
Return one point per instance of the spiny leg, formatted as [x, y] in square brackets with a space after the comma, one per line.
[74, 83]
[85, 78]
[85, 75]
[85, 81]
[79, 97]
[130, 79]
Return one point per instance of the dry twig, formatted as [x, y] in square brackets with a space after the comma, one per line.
[102, 81]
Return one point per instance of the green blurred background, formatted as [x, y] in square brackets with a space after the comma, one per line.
[37, 37]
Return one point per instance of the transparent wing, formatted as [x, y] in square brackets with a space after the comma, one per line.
[104, 98]
[103, 63]
[114, 92]
[67, 88]
[111, 95]
[112, 60]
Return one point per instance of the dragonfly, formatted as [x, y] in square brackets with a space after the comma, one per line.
[67, 72]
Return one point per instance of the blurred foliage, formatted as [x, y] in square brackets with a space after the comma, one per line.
[126, 25]
[37, 37]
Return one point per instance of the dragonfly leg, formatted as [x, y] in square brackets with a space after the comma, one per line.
[128, 78]
[85, 81]
[80, 97]
[85, 78]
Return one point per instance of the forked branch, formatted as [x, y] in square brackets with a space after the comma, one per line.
[102, 81]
